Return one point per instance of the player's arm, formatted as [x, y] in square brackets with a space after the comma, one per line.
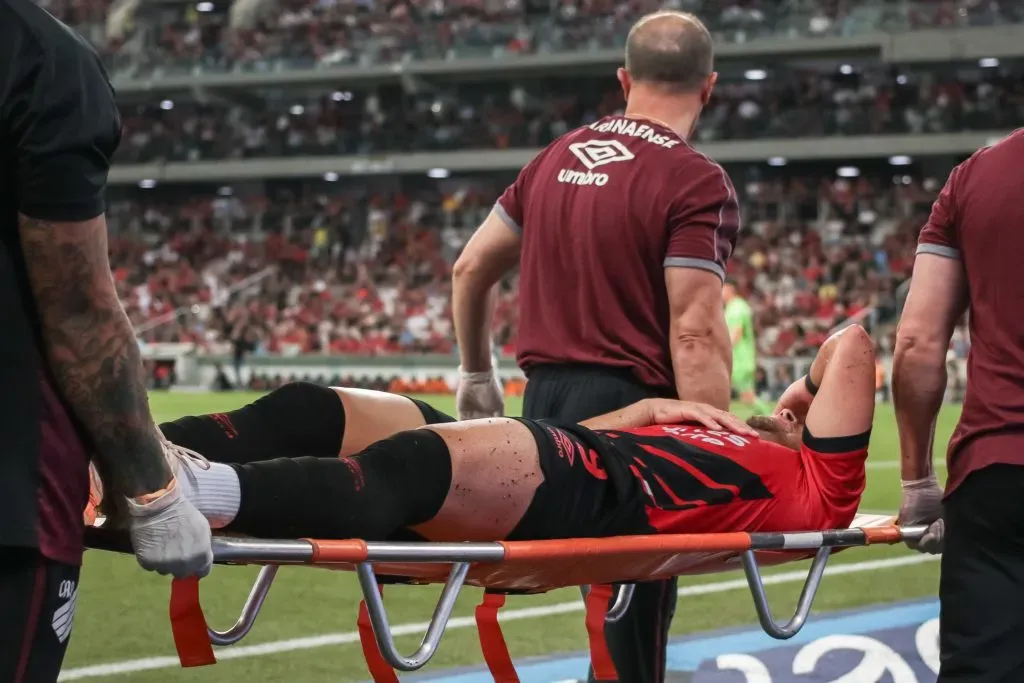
[490, 254]
[655, 411]
[799, 395]
[936, 301]
[840, 416]
[703, 223]
[735, 330]
[65, 128]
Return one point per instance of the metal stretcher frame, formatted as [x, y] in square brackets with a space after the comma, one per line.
[500, 567]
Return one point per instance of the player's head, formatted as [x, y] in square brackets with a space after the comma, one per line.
[728, 290]
[671, 52]
[782, 427]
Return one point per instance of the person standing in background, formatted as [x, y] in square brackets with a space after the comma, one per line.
[740, 319]
[622, 232]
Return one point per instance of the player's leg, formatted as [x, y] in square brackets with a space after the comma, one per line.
[464, 481]
[983, 573]
[301, 418]
[37, 601]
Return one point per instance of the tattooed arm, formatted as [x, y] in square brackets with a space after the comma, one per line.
[92, 349]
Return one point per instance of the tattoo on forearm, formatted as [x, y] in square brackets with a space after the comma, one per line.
[92, 349]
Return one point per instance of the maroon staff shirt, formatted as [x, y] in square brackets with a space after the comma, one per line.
[59, 127]
[979, 219]
[603, 211]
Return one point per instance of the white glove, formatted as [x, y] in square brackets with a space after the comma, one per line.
[170, 536]
[921, 503]
[479, 395]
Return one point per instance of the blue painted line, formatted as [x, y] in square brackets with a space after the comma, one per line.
[687, 653]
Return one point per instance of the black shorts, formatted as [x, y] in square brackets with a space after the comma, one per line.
[37, 610]
[585, 493]
[982, 584]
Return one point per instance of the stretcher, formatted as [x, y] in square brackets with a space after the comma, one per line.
[608, 565]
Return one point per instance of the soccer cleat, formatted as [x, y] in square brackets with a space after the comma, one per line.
[181, 459]
[92, 508]
[112, 512]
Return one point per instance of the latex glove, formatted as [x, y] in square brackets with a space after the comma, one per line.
[479, 395]
[921, 503]
[170, 536]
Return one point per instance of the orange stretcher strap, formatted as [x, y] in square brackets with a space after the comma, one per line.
[597, 601]
[188, 624]
[492, 641]
[379, 669]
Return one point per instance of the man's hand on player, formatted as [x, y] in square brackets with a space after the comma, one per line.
[670, 411]
[922, 504]
[170, 536]
[479, 395]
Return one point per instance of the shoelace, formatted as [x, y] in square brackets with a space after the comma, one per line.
[173, 450]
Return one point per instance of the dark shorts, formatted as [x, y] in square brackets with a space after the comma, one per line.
[982, 586]
[37, 610]
[571, 393]
[580, 497]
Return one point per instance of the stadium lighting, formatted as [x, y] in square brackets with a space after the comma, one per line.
[847, 171]
[438, 173]
[167, 105]
[988, 62]
[776, 161]
[330, 176]
[900, 160]
[297, 110]
[846, 69]
[204, 6]
[755, 74]
[341, 96]
[147, 184]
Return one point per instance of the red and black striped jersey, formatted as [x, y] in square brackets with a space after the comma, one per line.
[699, 481]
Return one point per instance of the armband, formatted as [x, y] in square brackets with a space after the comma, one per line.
[812, 388]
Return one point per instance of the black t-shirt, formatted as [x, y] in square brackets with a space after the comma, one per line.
[59, 127]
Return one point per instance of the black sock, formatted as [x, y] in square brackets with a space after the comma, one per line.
[297, 419]
[395, 483]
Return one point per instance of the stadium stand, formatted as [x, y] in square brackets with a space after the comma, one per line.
[804, 103]
[270, 195]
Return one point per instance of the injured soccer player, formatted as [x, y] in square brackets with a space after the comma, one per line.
[308, 461]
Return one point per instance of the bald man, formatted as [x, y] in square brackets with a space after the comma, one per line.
[622, 232]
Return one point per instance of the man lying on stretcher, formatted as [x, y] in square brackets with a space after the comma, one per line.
[658, 466]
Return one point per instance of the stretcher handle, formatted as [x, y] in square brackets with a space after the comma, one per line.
[803, 606]
[250, 610]
[435, 630]
[623, 596]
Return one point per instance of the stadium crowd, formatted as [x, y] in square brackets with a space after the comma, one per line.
[491, 116]
[183, 37]
[333, 275]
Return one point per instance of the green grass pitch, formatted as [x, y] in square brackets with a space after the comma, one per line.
[122, 610]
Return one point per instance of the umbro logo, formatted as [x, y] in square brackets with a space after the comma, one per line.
[594, 153]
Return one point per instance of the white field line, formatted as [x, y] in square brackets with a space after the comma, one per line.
[308, 643]
[894, 464]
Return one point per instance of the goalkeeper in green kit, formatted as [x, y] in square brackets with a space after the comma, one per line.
[740, 319]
